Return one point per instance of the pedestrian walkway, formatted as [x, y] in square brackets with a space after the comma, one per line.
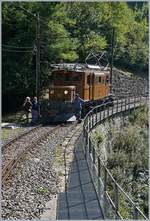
[80, 200]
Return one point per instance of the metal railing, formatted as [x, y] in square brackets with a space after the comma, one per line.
[115, 203]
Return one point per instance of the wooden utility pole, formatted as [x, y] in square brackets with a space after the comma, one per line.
[37, 55]
[112, 55]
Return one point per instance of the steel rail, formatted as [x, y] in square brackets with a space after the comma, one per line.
[19, 136]
[12, 162]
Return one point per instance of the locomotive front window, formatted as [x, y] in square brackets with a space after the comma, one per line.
[67, 77]
[76, 78]
[59, 77]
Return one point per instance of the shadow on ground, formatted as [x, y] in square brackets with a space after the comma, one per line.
[80, 199]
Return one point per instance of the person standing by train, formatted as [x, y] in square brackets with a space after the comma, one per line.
[78, 103]
[35, 110]
[27, 105]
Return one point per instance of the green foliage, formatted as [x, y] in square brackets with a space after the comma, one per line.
[127, 159]
[68, 32]
[140, 116]
[98, 137]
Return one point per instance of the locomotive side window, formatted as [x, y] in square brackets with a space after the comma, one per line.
[100, 80]
[88, 79]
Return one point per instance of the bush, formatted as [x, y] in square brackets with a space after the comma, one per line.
[128, 159]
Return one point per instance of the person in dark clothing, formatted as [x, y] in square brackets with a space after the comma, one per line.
[78, 103]
[35, 110]
[27, 105]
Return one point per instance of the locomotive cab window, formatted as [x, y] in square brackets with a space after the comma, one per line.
[103, 80]
[59, 77]
[76, 78]
[100, 80]
[107, 79]
[88, 79]
[67, 77]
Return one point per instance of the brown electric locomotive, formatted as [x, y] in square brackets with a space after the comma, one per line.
[91, 82]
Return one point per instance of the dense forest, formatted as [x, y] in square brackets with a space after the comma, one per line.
[68, 32]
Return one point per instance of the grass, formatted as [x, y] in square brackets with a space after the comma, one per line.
[9, 133]
[60, 173]
[14, 118]
[59, 155]
[11, 117]
[6, 133]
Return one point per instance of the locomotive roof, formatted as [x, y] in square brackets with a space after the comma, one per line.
[78, 67]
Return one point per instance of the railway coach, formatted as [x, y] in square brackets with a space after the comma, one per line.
[91, 82]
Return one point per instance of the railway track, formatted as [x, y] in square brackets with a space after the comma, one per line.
[7, 143]
[14, 150]
[34, 179]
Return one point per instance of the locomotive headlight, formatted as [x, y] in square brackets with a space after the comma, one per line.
[65, 92]
[51, 91]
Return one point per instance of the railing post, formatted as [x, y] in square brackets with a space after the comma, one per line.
[121, 104]
[129, 103]
[92, 118]
[112, 110]
[99, 174]
[134, 102]
[86, 143]
[104, 112]
[90, 148]
[86, 137]
[99, 167]
[88, 123]
[117, 105]
[125, 104]
[96, 115]
[108, 111]
[140, 100]
[100, 114]
[135, 213]
[116, 200]
[105, 180]
[93, 155]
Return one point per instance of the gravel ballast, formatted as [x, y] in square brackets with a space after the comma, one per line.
[34, 181]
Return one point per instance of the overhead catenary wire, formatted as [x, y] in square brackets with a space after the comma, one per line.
[9, 50]
[33, 15]
[13, 46]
